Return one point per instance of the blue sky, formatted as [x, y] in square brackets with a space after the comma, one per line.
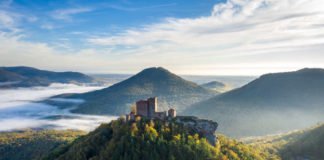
[71, 21]
[228, 37]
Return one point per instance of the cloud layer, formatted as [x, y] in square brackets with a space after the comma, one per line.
[19, 111]
[238, 37]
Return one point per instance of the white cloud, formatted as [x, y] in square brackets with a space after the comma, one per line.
[65, 14]
[233, 17]
[233, 32]
[6, 19]
[18, 109]
[10, 20]
[239, 37]
[15, 51]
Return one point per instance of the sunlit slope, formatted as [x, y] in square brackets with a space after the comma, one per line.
[304, 144]
[152, 140]
[310, 145]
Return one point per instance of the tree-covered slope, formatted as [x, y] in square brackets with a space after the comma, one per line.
[303, 144]
[33, 145]
[171, 90]
[146, 139]
[273, 103]
[28, 77]
[7, 76]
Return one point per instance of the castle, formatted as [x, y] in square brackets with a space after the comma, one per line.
[148, 108]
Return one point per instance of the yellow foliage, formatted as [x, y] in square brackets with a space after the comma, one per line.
[177, 137]
[137, 118]
[134, 129]
[151, 123]
[166, 129]
[151, 131]
[224, 157]
[233, 155]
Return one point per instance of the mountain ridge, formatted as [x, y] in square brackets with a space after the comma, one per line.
[22, 76]
[267, 101]
[171, 89]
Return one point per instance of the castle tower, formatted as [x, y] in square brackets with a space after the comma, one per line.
[152, 106]
[142, 108]
[172, 113]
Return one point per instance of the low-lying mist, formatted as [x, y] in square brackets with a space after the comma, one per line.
[20, 109]
[260, 122]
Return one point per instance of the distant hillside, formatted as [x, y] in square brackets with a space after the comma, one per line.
[303, 144]
[272, 103]
[152, 140]
[170, 89]
[216, 86]
[28, 77]
[32, 145]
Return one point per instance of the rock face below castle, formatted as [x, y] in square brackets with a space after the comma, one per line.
[206, 128]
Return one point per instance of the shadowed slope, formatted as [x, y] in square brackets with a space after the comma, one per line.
[171, 90]
[272, 103]
[28, 77]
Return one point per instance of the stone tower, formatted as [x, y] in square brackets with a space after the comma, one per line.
[172, 113]
[152, 106]
[142, 108]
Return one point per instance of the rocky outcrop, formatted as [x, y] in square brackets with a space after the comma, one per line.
[205, 128]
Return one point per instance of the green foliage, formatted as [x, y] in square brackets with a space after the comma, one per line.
[29, 145]
[152, 139]
[304, 144]
[309, 145]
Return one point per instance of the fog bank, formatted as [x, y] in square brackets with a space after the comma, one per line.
[20, 109]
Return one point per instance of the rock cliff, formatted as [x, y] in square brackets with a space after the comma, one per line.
[205, 128]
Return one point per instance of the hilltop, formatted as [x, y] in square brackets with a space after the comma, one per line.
[157, 139]
[273, 103]
[171, 89]
[152, 139]
[28, 77]
[216, 86]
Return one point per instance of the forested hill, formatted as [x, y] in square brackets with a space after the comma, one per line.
[22, 76]
[261, 107]
[152, 139]
[33, 145]
[171, 90]
[156, 139]
[297, 145]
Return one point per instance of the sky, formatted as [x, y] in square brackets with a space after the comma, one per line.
[197, 37]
